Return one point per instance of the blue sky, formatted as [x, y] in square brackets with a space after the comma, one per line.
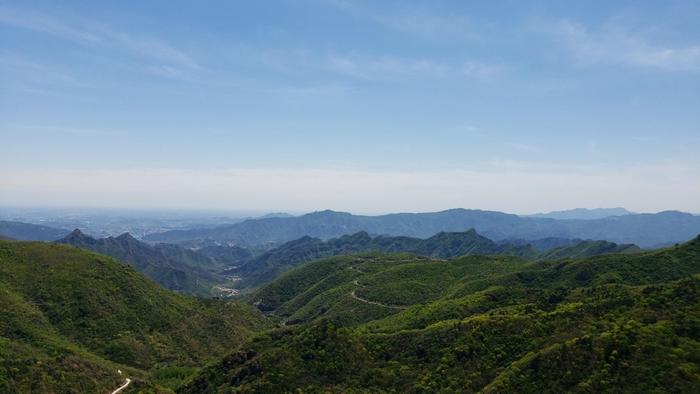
[363, 106]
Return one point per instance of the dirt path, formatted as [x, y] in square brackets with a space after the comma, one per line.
[355, 296]
[122, 387]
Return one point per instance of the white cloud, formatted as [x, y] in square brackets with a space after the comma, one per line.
[617, 46]
[500, 186]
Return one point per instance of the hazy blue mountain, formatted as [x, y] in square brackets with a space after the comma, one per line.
[583, 213]
[276, 215]
[30, 232]
[645, 230]
[172, 266]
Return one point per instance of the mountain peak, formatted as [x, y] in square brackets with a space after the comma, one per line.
[327, 213]
[126, 237]
[77, 235]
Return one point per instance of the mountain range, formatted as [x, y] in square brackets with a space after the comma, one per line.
[171, 266]
[267, 266]
[583, 213]
[30, 232]
[72, 320]
[646, 230]
[491, 324]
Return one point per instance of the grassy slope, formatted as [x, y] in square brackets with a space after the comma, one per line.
[70, 312]
[607, 323]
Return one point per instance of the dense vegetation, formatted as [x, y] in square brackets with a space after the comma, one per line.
[645, 230]
[401, 323]
[172, 266]
[363, 322]
[70, 318]
[269, 265]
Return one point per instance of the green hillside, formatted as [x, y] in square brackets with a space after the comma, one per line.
[587, 249]
[70, 318]
[266, 267]
[399, 323]
[172, 266]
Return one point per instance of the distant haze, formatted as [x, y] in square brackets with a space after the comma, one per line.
[505, 188]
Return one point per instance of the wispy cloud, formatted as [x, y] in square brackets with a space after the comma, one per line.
[94, 34]
[420, 22]
[378, 67]
[615, 45]
[385, 66]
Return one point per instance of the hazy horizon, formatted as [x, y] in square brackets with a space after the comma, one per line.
[351, 105]
[48, 211]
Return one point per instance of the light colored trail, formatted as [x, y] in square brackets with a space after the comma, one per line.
[355, 296]
[122, 387]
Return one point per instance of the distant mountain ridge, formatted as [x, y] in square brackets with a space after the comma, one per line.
[30, 232]
[645, 230]
[583, 213]
[172, 266]
[271, 264]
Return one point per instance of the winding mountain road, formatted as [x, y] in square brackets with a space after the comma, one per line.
[122, 387]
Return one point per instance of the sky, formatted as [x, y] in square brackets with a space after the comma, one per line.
[360, 106]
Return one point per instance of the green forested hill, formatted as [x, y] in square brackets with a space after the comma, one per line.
[172, 266]
[70, 318]
[268, 266]
[398, 323]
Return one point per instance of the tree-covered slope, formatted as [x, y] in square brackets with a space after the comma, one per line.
[494, 324]
[172, 266]
[612, 338]
[587, 249]
[70, 316]
[269, 265]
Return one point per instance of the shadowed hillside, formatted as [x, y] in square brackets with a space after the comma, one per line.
[172, 266]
